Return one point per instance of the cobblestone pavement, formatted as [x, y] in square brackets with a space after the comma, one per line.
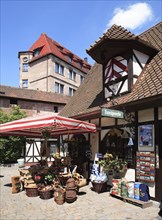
[88, 206]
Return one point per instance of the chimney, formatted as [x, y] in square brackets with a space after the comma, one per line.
[86, 59]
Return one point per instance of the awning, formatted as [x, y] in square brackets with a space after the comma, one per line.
[52, 123]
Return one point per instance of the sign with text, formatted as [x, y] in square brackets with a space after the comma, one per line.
[112, 113]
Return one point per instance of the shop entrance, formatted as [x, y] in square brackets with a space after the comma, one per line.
[158, 189]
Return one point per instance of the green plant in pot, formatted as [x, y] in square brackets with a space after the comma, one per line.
[102, 163]
[49, 179]
[118, 166]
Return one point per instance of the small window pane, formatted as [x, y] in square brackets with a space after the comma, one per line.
[81, 79]
[61, 70]
[56, 68]
[70, 74]
[61, 89]
[56, 87]
[25, 67]
[70, 92]
[25, 83]
[74, 76]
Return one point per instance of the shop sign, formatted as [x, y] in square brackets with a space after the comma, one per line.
[99, 155]
[112, 113]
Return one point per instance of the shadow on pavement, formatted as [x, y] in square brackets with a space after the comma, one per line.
[8, 185]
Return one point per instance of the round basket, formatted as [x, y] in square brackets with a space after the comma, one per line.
[45, 194]
[31, 192]
[70, 183]
[59, 196]
[59, 201]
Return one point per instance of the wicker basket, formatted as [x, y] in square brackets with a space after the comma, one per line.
[45, 194]
[99, 187]
[59, 196]
[31, 192]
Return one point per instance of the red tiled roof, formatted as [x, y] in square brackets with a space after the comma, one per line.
[49, 46]
[33, 95]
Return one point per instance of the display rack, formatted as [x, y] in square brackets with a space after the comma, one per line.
[145, 166]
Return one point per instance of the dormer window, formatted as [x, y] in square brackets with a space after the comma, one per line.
[121, 72]
[70, 59]
[36, 52]
[116, 76]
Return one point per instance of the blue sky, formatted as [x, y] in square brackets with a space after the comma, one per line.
[74, 24]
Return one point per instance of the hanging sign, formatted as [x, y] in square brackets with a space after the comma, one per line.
[111, 113]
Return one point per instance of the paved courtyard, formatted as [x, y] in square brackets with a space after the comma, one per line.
[88, 206]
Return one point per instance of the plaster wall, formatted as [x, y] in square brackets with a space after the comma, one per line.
[146, 115]
[143, 58]
[94, 140]
[160, 113]
[107, 121]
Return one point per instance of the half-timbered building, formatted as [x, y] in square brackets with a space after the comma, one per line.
[122, 95]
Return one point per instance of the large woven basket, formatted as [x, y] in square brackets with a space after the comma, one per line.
[46, 194]
[31, 192]
[99, 187]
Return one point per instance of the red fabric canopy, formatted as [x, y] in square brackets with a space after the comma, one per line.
[56, 125]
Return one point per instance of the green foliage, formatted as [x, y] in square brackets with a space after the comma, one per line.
[102, 163]
[11, 146]
[117, 165]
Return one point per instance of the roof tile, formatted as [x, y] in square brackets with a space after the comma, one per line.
[148, 84]
[49, 46]
[35, 95]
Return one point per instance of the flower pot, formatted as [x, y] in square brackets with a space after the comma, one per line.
[99, 187]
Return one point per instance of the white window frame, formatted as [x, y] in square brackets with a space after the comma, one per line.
[25, 83]
[59, 88]
[25, 67]
[59, 69]
[72, 75]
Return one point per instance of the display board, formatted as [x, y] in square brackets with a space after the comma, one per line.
[145, 166]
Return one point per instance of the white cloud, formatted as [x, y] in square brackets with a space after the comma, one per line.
[133, 16]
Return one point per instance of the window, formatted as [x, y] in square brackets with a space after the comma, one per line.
[70, 59]
[72, 75]
[56, 87]
[59, 69]
[59, 88]
[56, 68]
[25, 83]
[81, 79]
[25, 67]
[55, 109]
[36, 53]
[71, 91]
[13, 101]
[81, 65]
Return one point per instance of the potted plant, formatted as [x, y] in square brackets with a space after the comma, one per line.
[119, 166]
[102, 164]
